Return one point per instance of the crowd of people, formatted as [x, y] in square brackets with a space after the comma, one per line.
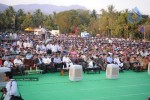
[52, 53]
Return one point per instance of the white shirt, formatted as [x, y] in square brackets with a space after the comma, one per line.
[57, 60]
[12, 89]
[48, 46]
[43, 48]
[46, 60]
[19, 43]
[59, 48]
[66, 59]
[25, 44]
[54, 48]
[109, 59]
[8, 64]
[29, 56]
[16, 61]
[116, 60]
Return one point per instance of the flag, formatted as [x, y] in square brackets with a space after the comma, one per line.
[136, 10]
[142, 29]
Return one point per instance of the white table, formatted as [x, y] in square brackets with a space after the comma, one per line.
[112, 71]
[75, 73]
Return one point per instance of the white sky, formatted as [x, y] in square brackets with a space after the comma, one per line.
[143, 5]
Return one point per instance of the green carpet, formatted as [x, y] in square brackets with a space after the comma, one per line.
[52, 86]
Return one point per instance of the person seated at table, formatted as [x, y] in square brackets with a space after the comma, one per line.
[109, 59]
[136, 64]
[57, 62]
[92, 63]
[100, 62]
[118, 62]
[39, 63]
[66, 61]
[19, 64]
[82, 61]
[8, 64]
[48, 62]
[12, 51]
[29, 55]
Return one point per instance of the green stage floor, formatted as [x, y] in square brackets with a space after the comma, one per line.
[52, 86]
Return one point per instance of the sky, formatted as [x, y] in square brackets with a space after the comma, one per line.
[142, 5]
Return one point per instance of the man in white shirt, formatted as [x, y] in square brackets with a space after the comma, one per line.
[19, 64]
[7, 63]
[46, 60]
[66, 61]
[118, 62]
[19, 43]
[109, 59]
[48, 47]
[24, 44]
[57, 62]
[54, 48]
[11, 87]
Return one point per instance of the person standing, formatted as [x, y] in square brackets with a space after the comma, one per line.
[10, 88]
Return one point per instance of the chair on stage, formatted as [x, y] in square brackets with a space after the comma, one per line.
[29, 64]
[30, 67]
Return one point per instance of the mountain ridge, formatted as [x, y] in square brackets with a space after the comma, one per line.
[45, 8]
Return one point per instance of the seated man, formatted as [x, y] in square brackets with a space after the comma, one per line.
[39, 63]
[19, 64]
[66, 61]
[109, 59]
[29, 55]
[57, 62]
[100, 62]
[136, 65]
[118, 62]
[8, 64]
[48, 62]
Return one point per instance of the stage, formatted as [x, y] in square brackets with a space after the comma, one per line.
[129, 86]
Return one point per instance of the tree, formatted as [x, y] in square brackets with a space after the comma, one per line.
[8, 17]
[94, 14]
[20, 17]
[67, 20]
[49, 22]
[38, 18]
[28, 22]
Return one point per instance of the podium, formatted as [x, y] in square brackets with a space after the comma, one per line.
[112, 71]
[148, 68]
[2, 73]
[75, 73]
